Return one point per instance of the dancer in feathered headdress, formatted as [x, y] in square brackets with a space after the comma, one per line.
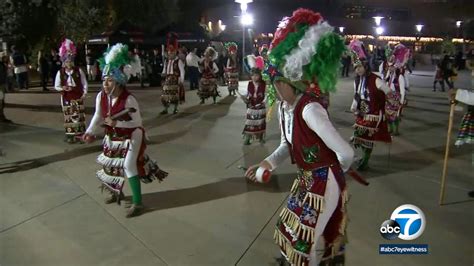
[209, 70]
[72, 83]
[173, 71]
[305, 57]
[255, 122]
[117, 114]
[367, 106]
[397, 83]
[232, 68]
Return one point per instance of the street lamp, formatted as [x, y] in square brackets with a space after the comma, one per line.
[379, 30]
[246, 20]
[419, 27]
[377, 19]
[341, 30]
[458, 23]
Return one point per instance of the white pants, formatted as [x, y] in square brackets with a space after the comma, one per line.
[130, 163]
[331, 198]
[91, 71]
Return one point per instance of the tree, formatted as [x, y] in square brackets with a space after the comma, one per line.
[78, 19]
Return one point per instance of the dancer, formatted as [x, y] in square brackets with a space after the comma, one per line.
[118, 114]
[305, 57]
[255, 123]
[208, 83]
[232, 70]
[173, 71]
[396, 82]
[72, 83]
[368, 106]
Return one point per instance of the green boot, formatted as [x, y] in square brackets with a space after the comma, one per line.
[246, 140]
[364, 163]
[395, 131]
[137, 206]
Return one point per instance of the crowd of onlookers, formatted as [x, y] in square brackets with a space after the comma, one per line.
[16, 68]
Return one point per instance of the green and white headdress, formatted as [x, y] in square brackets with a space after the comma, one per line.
[116, 63]
[306, 53]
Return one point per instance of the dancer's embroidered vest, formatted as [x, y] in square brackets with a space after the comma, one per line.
[76, 91]
[307, 150]
[117, 107]
[260, 93]
[377, 97]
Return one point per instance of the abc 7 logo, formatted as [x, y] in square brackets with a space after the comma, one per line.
[407, 222]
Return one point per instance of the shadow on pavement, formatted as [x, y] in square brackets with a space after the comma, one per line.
[222, 189]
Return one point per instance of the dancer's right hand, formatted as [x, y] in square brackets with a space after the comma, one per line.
[252, 170]
[87, 138]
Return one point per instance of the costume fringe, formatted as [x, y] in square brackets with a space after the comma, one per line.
[293, 256]
[255, 112]
[112, 183]
[258, 122]
[153, 172]
[362, 142]
[372, 118]
[110, 162]
[115, 145]
[315, 201]
[292, 221]
[371, 130]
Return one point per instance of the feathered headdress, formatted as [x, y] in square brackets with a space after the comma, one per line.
[253, 61]
[231, 47]
[305, 53]
[116, 63]
[172, 42]
[358, 53]
[211, 52]
[67, 50]
[400, 55]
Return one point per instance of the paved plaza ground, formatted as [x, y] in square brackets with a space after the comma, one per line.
[205, 213]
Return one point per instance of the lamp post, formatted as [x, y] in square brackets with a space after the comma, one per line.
[378, 20]
[419, 27]
[246, 20]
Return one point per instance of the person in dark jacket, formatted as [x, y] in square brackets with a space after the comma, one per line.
[43, 68]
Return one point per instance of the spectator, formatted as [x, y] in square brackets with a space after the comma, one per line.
[221, 63]
[91, 65]
[346, 63]
[10, 76]
[20, 68]
[43, 69]
[55, 64]
[192, 61]
[447, 71]
[156, 62]
[459, 61]
[3, 85]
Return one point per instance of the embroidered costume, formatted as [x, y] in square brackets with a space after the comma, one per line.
[124, 145]
[72, 83]
[173, 88]
[396, 82]
[368, 106]
[306, 54]
[466, 128]
[208, 69]
[255, 122]
[232, 68]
